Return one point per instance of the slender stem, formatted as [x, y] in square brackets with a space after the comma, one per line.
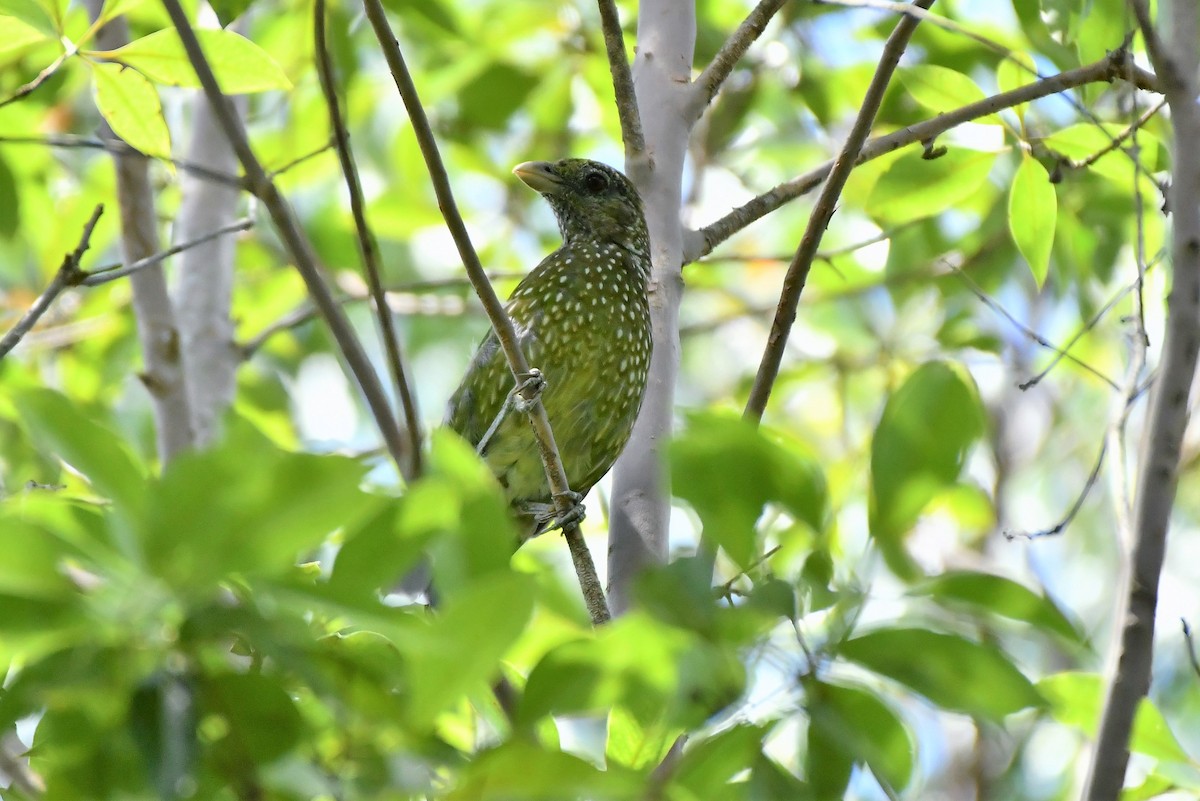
[622, 78]
[293, 239]
[709, 82]
[818, 221]
[1175, 61]
[68, 274]
[39, 80]
[117, 147]
[367, 246]
[1109, 68]
[585, 569]
[114, 272]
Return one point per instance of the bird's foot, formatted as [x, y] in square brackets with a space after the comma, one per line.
[546, 516]
[526, 393]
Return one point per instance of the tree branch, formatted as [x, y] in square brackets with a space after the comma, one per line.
[622, 77]
[1107, 69]
[157, 324]
[113, 272]
[368, 248]
[818, 221]
[293, 239]
[1158, 479]
[69, 274]
[585, 569]
[709, 83]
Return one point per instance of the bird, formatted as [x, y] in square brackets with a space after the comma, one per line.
[582, 319]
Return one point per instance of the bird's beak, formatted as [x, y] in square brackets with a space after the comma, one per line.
[538, 175]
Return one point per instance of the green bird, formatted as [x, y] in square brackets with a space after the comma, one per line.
[583, 320]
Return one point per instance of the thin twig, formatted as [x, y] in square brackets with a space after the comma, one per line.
[119, 148]
[1190, 646]
[1034, 336]
[1062, 524]
[818, 221]
[709, 83]
[1089, 325]
[585, 569]
[1118, 140]
[298, 246]
[1107, 69]
[114, 272]
[39, 79]
[622, 78]
[68, 274]
[368, 248]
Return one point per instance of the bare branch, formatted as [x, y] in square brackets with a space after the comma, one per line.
[1061, 525]
[1175, 62]
[367, 246]
[114, 272]
[709, 82]
[41, 78]
[818, 221]
[1107, 69]
[622, 78]
[119, 148]
[1034, 336]
[68, 274]
[294, 240]
[1190, 646]
[585, 569]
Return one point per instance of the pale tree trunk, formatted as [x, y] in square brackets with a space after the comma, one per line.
[638, 536]
[162, 373]
[205, 289]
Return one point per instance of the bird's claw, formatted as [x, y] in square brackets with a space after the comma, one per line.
[529, 390]
[547, 517]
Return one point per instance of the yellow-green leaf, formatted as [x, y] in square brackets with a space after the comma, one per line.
[240, 65]
[1014, 72]
[1032, 212]
[16, 34]
[941, 89]
[915, 187]
[130, 105]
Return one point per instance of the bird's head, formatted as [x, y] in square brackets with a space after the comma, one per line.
[592, 201]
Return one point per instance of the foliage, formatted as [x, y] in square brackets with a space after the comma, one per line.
[223, 626]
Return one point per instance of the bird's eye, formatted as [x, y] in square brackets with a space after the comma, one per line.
[596, 182]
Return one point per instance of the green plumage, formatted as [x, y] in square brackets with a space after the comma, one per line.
[583, 319]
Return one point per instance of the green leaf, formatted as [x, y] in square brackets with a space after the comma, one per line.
[36, 15]
[16, 35]
[463, 645]
[520, 770]
[1032, 211]
[729, 470]
[712, 763]
[1015, 71]
[633, 745]
[32, 563]
[494, 95]
[1000, 596]
[952, 672]
[262, 723]
[240, 65]
[1075, 700]
[246, 508]
[858, 724]
[10, 201]
[941, 89]
[915, 187]
[919, 447]
[130, 105]
[87, 446]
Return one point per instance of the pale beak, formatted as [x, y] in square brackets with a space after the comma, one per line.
[538, 175]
